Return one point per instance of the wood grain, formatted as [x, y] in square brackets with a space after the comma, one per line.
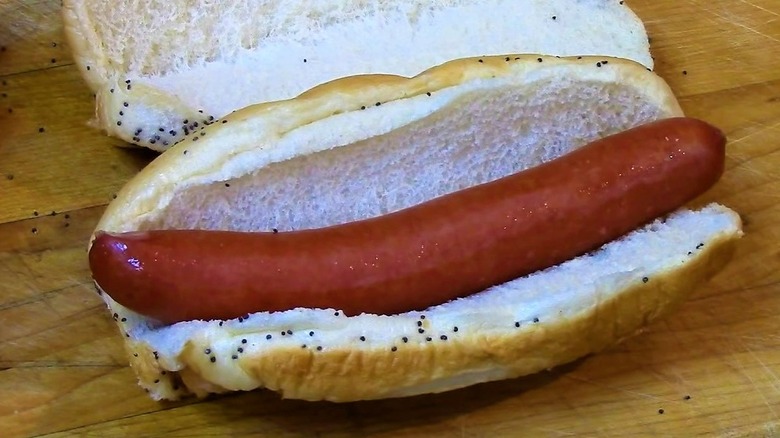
[31, 37]
[51, 159]
[711, 369]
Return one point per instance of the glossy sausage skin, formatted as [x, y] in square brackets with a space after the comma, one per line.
[428, 254]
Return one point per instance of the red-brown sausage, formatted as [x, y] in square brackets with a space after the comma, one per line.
[424, 255]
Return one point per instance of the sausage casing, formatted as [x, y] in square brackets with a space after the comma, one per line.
[428, 254]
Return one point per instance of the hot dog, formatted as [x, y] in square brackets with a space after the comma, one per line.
[424, 255]
[441, 158]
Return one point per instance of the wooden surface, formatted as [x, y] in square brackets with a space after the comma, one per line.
[712, 369]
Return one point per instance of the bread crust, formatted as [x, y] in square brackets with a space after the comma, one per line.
[107, 59]
[465, 359]
[224, 150]
[331, 374]
[84, 44]
[293, 352]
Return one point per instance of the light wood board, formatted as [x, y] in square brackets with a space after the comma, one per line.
[711, 369]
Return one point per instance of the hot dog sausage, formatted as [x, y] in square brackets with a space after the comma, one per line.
[449, 247]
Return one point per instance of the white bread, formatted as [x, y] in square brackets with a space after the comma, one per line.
[333, 155]
[184, 57]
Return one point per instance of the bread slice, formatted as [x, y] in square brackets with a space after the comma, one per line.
[362, 146]
[162, 69]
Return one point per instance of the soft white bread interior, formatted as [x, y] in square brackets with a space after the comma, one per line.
[362, 146]
[161, 69]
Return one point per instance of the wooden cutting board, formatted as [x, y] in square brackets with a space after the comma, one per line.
[711, 369]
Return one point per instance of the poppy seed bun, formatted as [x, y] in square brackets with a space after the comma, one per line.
[363, 146]
[160, 63]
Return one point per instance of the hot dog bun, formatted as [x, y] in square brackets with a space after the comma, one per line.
[363, 146]
[161, 63]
